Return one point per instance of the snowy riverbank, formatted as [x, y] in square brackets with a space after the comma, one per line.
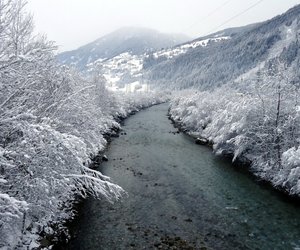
[54, 160]
[235, 125]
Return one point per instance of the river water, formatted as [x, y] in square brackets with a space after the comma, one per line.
[181, 196]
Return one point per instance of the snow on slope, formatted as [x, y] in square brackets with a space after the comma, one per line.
[124, 72]
[170, 53]
[288, 35]
[128, 39]
[117, 67]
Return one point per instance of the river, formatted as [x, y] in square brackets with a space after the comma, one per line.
[181, 196]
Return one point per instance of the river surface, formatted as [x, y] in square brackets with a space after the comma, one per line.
[181, 196]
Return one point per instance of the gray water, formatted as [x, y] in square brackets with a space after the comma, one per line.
[181, 196]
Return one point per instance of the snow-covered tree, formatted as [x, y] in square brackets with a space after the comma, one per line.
[52, 120]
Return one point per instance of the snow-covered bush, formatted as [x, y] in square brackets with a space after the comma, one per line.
[52, 120]
[288, 176]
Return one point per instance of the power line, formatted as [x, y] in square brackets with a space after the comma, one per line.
[209, 14]
[237, 15]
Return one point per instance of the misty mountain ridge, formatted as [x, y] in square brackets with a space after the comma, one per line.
[126, 63]
[129, 69]
[136, 54]
[249, 49]
[133, 40]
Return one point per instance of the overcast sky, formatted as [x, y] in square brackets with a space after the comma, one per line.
[72, 23]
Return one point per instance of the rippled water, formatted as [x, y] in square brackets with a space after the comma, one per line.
[181, 196]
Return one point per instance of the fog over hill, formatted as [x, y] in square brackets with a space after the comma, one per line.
[129, 39]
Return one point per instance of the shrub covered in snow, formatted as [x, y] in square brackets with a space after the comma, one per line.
[52, 120]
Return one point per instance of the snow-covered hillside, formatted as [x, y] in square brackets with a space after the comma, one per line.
[212, 66]
[123, 65]
[124, 72]
[181, 49]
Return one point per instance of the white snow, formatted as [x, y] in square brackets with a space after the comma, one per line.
[120, 72]
[173, 52]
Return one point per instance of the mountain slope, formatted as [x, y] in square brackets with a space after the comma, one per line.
[211, 66]
[156, 57]
[133, 40]
[127, 69]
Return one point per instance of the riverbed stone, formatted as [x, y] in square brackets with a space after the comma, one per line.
[104, 158]
[201, 141]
